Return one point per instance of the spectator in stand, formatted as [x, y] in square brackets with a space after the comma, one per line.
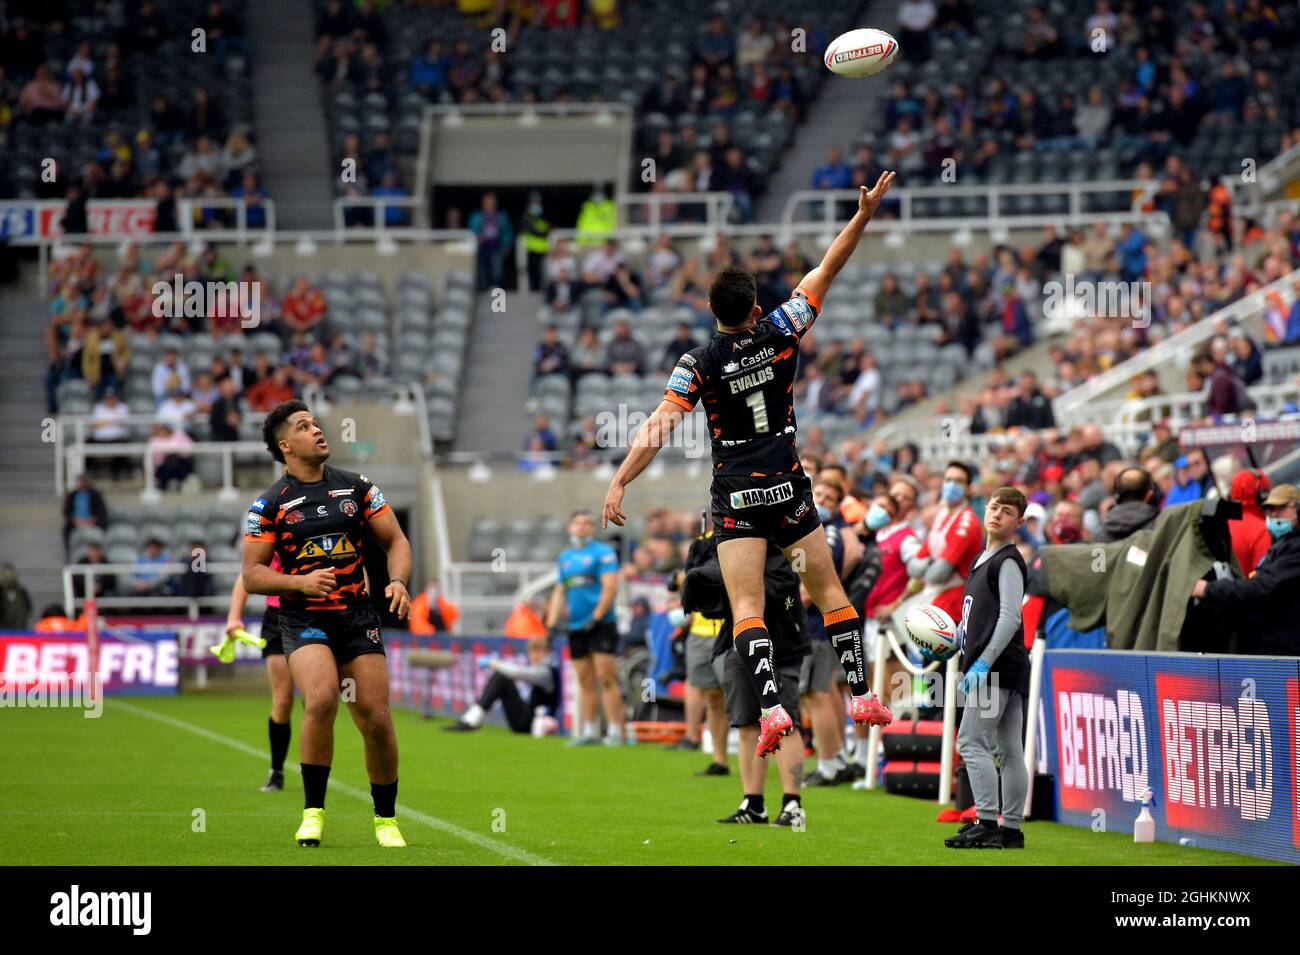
[1246, 362]
[303, 307]
[623, 289]
[915, 20]
[562, 291]
[41, 100]
[588, 355]
[550, 357]
[677, 346]
[1030, 408]
[428, 72]
[394, 215]
[105, 584]
[80, 97]
[1187, 486]
[169, 454]
[237, 157]
[224, 417]
[495, 236]
[1227, 393]
[1250, 537]
[864, 396]
[542, 438]
[169, 367]
[151, 583]
[250, 190]
[270, 391]
[623, 353]
[108, 426]
[83, 506]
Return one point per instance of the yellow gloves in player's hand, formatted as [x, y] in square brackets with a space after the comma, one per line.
[225, 650]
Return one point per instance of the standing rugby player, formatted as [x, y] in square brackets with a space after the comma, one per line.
[278, 726]
[313, 519]
[745, 377]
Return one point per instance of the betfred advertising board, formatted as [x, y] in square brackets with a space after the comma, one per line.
[129, 663]
[1215, 738]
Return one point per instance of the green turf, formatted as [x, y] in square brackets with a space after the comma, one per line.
[122, 789]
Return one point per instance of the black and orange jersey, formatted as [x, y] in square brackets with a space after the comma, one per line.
[318, 525]
[746, 381]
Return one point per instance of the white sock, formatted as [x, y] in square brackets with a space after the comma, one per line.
[827, 767]
[766, 711]
[615, 732]
[861, 756]
[473, 716]
[591, 730]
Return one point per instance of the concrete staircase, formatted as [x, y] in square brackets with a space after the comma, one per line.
[498, 375]
[292, 139]
[842, 109]
[31, 513]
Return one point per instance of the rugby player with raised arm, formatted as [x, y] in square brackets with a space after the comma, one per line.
[745, 378]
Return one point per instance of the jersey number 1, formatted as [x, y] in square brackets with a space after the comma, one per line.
[759, 407]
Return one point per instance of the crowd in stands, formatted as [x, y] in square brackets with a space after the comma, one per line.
[1104, 90]
[113, 353]
[717, 97]
[126, 108]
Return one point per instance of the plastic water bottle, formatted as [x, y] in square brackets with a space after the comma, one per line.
[1144, 827]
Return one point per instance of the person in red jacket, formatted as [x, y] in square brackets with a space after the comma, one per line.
[1250, 537]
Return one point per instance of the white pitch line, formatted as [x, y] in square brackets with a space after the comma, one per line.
[433, 822]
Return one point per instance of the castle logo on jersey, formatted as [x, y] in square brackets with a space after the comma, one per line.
[763, 496]
[336, 546]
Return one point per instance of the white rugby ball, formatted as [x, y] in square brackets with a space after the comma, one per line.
[862, 52]
[932, 628]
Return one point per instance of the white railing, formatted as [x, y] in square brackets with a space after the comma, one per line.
[1083, 399]
[242, 232]
[527, 576]
[72, 451]
[1187, 407]
[88, 572]
[822, 205]
[649, 206]
[378, 206]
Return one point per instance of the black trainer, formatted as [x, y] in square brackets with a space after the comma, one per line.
[1011, 838]
[714, 769]
[842, 775]
[459, 727]
[274, 782]
[745, 815]
[976, 835]
[792, 815]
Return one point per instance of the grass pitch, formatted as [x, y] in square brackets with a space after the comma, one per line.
[174, 781]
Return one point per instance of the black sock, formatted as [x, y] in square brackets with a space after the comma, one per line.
[787, 797]
[755, 649]
[385, 797]
[754, 803]
[844, 630]
[314, 780]
[279, 733]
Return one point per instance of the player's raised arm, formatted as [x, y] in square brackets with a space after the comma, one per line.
[650, 437]
[817, 283]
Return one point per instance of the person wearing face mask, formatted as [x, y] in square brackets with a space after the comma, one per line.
[939, 569]
[584, 598]
[1266, 603]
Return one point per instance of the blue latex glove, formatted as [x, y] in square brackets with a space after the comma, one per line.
[926, 654]
[483, 661]
[975, 677]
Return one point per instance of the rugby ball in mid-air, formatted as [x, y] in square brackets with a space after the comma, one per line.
[862, 52]
[932, 628]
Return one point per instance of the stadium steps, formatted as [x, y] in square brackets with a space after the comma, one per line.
[30, 511]
[498, 375]
[292, 145]
[837, 116]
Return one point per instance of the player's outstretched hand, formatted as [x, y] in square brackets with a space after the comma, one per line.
[318, 583]
[399, 600]
[869, 199]
[613, 507]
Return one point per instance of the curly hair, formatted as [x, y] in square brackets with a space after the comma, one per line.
[275, 421]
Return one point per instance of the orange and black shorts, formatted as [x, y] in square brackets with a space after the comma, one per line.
[778, 508]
